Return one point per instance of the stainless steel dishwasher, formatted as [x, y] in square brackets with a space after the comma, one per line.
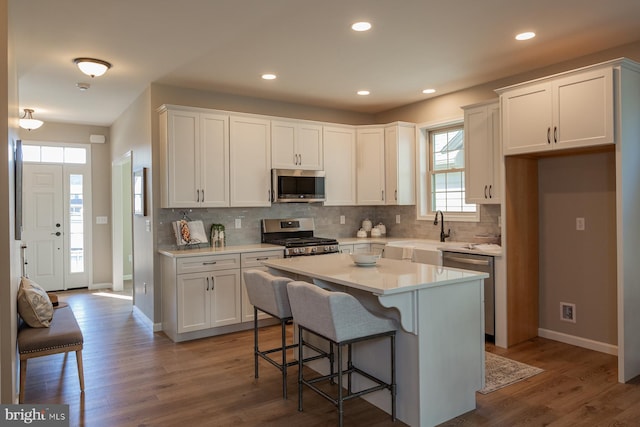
[484, 264]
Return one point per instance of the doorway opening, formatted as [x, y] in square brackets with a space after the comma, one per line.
[121, 196]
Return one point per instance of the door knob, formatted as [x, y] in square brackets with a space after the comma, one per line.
[58, 225]
[57, 233]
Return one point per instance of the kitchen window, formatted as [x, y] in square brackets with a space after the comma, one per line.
[442, 169]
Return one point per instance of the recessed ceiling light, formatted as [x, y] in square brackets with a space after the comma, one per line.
[269, 76]
[361, 26]
[526, 36]
[363, 92]
[428, 91]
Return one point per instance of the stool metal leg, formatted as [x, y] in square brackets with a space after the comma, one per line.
[340, 400]
[349, 367]
[283, 325]
[300, 352]
[393, 377]
[255, 341]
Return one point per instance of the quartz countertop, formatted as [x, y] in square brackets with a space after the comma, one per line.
[258, 247]
[386, 277]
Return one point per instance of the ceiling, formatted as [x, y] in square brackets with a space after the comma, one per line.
[225, 46]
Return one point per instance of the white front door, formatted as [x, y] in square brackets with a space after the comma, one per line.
[44, 225]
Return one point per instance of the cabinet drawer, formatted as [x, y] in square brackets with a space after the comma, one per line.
[254, 259]
[198, 264]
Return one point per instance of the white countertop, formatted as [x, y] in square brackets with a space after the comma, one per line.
[385, 278]
[207, 250]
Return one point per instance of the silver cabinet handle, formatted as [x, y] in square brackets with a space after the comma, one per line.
[262, 259]
[555, 134]
[485, 192]
[269, 196]
[213, 283]
[198, 196]
[207, 283]
[382, 193]
[548, 135]
[467, 260]
[202, 196]
[396, 195]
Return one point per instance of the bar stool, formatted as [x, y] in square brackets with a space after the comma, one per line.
[268, 293]
[342, 320]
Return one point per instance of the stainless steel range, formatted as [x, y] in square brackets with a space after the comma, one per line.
[296, 235]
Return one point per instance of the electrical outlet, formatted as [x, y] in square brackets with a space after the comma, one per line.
[342, 219]
[397, 219]
[580, 224]
[238, 223]
[568, 312]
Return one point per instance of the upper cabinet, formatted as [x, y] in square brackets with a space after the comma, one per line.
[339, 165]
[296, 145]
[482, 153]
[400, 167]
[567, 111]
[194, 158]
[370, 165]
[250, 161]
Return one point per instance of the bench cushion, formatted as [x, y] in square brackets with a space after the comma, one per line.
[64, 331]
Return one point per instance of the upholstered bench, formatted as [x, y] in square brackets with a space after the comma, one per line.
[62, 336]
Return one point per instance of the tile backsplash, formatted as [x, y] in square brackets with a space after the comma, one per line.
[327, 222]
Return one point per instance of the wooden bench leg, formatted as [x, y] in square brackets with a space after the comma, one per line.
[80, 370]
[23, 379]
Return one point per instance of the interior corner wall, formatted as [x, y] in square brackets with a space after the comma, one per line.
[132, 132]
[100, 185]
[10, 261]
[578, 267]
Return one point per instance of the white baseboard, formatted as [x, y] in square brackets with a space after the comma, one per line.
[155, 327]
[578, 341]
[100, 286]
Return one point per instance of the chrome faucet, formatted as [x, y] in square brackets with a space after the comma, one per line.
[443, 235]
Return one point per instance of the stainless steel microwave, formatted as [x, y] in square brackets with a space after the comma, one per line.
[297, 186]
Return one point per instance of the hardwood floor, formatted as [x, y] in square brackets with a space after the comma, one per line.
[137, 378]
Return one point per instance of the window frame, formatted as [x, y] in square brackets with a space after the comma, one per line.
[424, 210]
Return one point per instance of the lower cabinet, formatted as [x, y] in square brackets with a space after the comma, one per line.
[204, 295]
[361, 248]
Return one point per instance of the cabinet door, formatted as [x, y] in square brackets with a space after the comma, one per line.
[583, 109]
[370, 166]
[250, 162]
[493, 119]
[183, 159]
[345, 249]
[309, 146]
[214, 159]
[527, 119]
[339, 147]
[194, 311]
[377, 248]
[399, 160]
[283, 150]
[225, 297]
[361, 248]
[478, 144]
[253, 261]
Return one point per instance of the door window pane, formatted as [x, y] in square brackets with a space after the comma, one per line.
[52, 154]
[75, 155]
[76, 224]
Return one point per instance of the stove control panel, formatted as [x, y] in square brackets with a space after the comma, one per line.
[310, 250]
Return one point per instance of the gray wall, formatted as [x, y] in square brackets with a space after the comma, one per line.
[578, 267]
[100, 185]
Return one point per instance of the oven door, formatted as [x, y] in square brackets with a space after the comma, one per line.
[297, 186]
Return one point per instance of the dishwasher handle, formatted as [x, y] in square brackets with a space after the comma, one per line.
[469, 261]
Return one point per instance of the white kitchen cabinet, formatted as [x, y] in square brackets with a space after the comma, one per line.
[194, 158]
[400, 166]
[296, 145]
[569, 111]
[250, 161]
[208, 292]
[370, 180]
[377, 248]
[253, 261]
[339, 146]
[482, 152]
[346, 248]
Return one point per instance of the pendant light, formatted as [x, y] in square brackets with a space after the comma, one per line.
[92, 67]
[28, 122]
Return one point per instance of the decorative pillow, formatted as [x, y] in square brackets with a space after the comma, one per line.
[34, 305]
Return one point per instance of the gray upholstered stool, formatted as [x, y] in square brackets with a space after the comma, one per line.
[268, 293]
[339, 318]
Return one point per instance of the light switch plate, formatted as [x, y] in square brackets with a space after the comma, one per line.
[102, 220]
[342, 219]
[580, 224]
[397, 219]
[238, 223]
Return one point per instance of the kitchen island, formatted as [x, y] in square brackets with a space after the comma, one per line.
[440, 342]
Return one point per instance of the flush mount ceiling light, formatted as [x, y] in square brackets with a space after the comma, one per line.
[269, 76]
[428, 91]
[92, 67]
[361, 26]
[525, 36]
[363, 92]
[28, 122]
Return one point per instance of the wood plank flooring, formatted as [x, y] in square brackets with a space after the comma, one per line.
[138, 378]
